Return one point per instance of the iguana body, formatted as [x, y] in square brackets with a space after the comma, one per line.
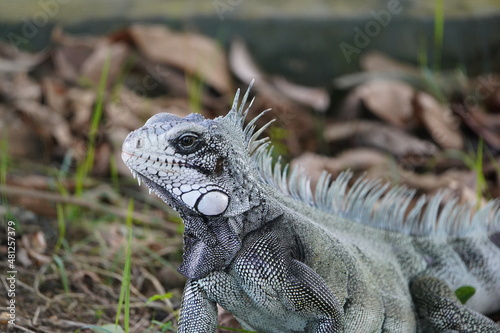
[283, 260]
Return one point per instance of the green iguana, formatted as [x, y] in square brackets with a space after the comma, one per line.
[281, 259]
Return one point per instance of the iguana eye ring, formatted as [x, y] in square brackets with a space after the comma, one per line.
[187, 140]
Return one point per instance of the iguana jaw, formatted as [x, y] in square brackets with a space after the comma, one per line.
[201, 197]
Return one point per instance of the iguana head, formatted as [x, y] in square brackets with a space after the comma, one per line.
[198, 166]
[183, 160]
[203, 169]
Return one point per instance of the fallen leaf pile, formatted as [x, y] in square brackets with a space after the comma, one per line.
[428, 124]
[428, 130]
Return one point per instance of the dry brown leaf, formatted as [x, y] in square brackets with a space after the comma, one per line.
[314, 164]
[389, 100]
[55, 94]
[4, 319]
[47, 124]
[113, 235]
[316, 98]
[26, 144]
[25, 88]
[81, 103]
[486, 126]
[244, 68]
[461, 183]
[12, 60]
[378, 135]
[70, 54]
[127, 111]
[490, 127]
[242, 64]
[283, 91]
[20, 87]
[360, 159]
[484, 89]
[289, 113]
[93, 66]
[23, 258]
[65, 69]
[441, 123]
[195, 54]
[35, 245]
[103, 153]
[493, 101]
[375, 61]
[492, 175]
[349, 108]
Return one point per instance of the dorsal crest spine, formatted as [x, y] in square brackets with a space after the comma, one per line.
[366, 201]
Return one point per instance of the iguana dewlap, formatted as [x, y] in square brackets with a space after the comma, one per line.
[261, 245]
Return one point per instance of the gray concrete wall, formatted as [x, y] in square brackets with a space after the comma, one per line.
[308, 41]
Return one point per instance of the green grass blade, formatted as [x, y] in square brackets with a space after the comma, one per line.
[62, 272]
[88, 163]
[61, 226]
[125, 289]
[422, 52]
[195, 91]
[481, 183]
[438, 33]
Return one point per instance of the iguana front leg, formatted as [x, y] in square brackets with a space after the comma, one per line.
[285, 290]
[265, 288]
[198, 313]
[437, 304]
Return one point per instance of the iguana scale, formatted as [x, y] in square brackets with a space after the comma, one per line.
[281, 258]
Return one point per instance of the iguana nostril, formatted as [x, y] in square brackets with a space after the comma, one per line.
[139, 143]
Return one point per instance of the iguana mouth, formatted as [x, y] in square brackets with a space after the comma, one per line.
[127, 155]
[210, 200]
[151, 185]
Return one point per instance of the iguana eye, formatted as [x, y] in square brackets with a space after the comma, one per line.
[187, 140]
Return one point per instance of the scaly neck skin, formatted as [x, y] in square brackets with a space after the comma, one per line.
[211, 243]
[208, 177]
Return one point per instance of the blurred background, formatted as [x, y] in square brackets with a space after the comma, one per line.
[307, 42]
